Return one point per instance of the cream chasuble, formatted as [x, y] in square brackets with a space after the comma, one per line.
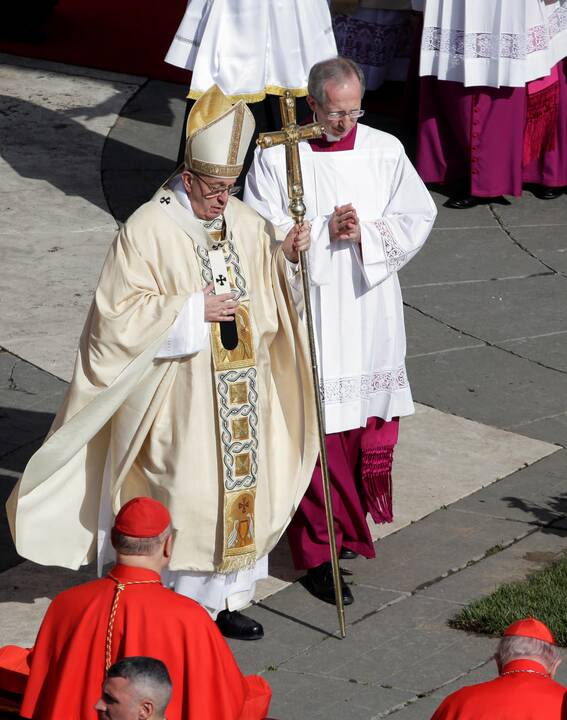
[166, 425]
[356, 297]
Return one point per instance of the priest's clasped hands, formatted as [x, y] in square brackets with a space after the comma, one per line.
[344, 224]
[222, 308]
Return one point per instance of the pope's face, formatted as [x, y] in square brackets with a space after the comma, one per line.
[120, 701]
[208, 195]
[340, 98]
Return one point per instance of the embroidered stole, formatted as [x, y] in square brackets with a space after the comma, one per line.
[236, 385]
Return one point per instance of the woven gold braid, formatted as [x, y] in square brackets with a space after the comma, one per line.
[120, 586]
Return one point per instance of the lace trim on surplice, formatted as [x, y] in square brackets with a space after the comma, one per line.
[514, 46]
[363, 387]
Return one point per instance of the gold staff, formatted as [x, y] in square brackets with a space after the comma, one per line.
[290, 135]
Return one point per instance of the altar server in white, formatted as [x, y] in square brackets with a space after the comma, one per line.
[253, 50]
[370, 214]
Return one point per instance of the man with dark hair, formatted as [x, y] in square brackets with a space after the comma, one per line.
[130, 613]
[136, 688]
[527, 659]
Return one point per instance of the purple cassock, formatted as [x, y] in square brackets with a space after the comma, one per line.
[495, 138]
[360, 474]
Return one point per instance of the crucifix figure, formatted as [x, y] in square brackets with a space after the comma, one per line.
[290, 136]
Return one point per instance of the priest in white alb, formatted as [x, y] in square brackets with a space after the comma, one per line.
[191, 386]
[370, 214]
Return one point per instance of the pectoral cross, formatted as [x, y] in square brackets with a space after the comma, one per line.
[291, 135]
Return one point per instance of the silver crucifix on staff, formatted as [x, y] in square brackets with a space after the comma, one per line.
[291, 135]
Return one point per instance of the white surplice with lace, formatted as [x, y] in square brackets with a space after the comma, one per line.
[356, 296]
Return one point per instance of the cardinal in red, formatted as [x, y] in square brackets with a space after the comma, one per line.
[129, 612]
[527, 659]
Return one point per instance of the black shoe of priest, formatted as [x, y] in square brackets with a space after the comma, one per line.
[347, 554]
[319, 582]
[239, 627]
[547, 193]
[463, 202]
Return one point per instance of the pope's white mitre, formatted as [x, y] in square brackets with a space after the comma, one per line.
[218, 135]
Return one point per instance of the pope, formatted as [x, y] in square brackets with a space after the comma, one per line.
[192, 385]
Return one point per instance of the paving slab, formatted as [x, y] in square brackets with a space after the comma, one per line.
[477, 217]
[427, 336]
[529, 211]
[312, 696]
[25, 594]
[494, 387]
[427, 550]
[466, 256]
[141, 150]
[57, 228]
[548, 242]
[513, 563]
[421, 708]
[549, 350]
[441, 458]
[534, 495]
[407, 646]
[497, 311]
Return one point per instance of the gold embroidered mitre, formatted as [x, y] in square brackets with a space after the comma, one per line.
[218, 135]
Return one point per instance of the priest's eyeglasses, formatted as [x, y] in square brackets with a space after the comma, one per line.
[340, 114]
[219, 190]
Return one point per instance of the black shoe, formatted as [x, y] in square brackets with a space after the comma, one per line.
[347, 554]
[319, 582]
[546, 193]
[238, 626]
[462, 202]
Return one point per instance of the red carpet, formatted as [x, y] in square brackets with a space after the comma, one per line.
[128, 36]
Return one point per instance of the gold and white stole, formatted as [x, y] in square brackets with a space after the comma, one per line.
[236, 382]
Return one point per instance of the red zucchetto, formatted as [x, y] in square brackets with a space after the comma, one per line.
[142, 517]
[530, 627]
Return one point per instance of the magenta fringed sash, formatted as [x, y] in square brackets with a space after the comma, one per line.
[377, 449]
[541, 118]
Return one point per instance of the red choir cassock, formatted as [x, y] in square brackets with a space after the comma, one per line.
[524, 690]
[67, 662]
[526, 693]
[89, 627]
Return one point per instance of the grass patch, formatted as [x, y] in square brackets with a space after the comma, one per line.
[543, 595]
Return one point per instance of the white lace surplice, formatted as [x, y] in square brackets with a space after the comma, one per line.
[248, 47]
[493, 43]
[378, 40]
[356, 297]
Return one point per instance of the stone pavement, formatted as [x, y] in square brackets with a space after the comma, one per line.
[480, 469]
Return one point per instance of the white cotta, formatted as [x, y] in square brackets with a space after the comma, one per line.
[493, 43]
[252, 47]
[356, 297]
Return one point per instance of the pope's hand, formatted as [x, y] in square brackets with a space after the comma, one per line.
[344, 224]
[219, 308]
[297, 239]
